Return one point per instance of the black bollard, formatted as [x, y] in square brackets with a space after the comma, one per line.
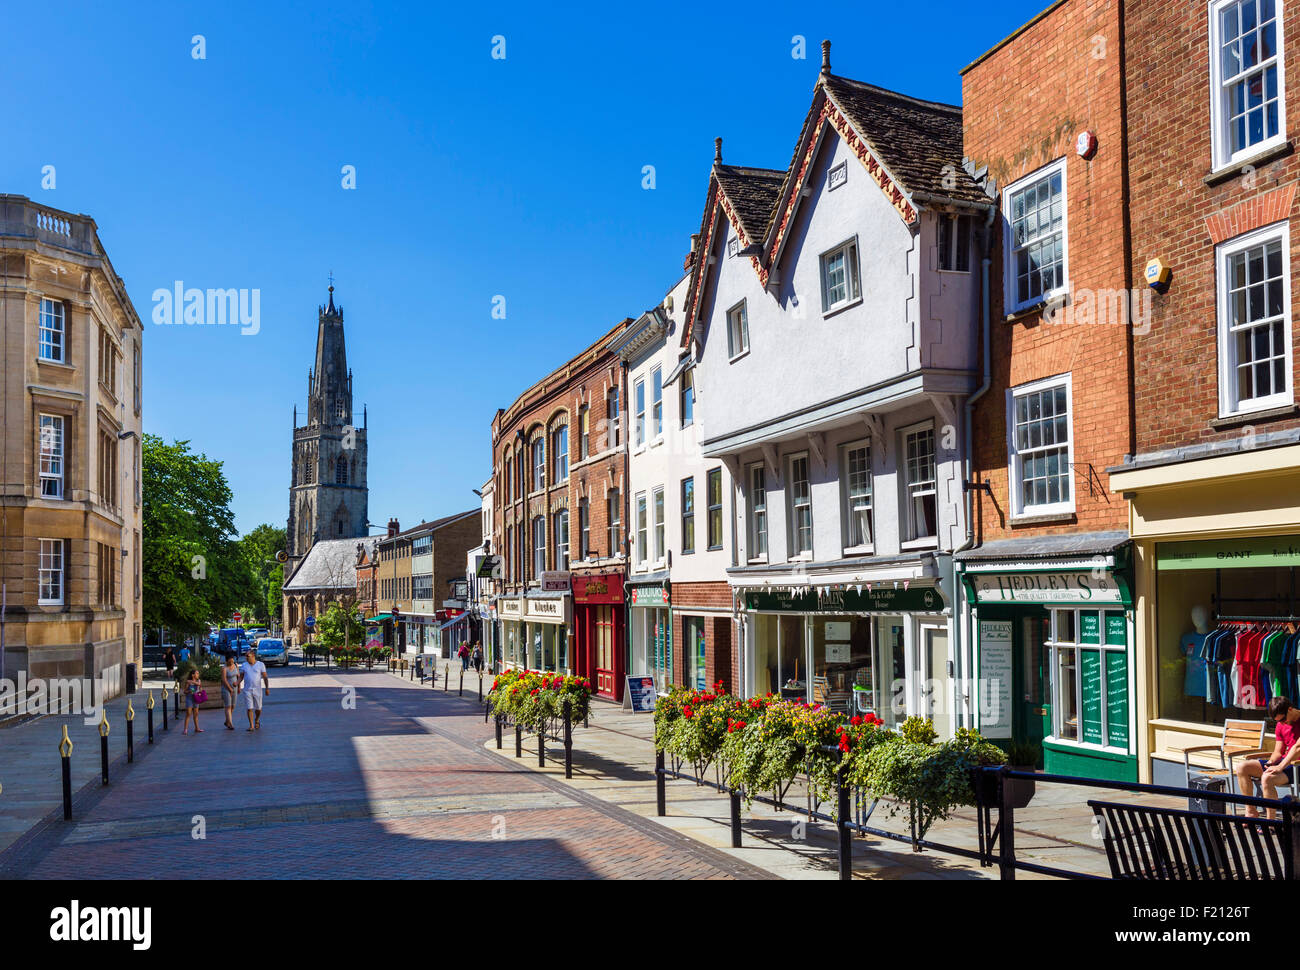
[460, 691]
[661, 795]
[568, 738]
[541, 747]
[65, 756]
[150, 712]
[842, 822]
[519, 742]
[735, 818]
[164, 707]
[176, 702]
[412, 666]
[498, 733]
[103, 757]
[480, 685]
[130, 732]
[486, 708]
[446, 678]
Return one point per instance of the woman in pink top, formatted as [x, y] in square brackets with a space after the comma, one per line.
[1279, 769]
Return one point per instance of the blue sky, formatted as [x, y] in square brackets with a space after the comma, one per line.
[475, 177]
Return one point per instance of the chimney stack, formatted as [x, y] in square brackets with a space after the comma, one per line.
[393, 528]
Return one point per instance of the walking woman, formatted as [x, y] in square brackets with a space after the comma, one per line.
[192, 688]
[169, 658]
[229, 689]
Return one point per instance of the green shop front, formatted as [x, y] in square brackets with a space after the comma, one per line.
[1052, 623]
[648, 598]
[879, 647]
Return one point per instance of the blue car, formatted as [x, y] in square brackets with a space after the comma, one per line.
[272, 651]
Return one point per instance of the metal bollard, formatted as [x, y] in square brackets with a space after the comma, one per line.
[1006, 826]
[480, 686]
[661, 795]
[498, 733]
[519, 742]
[568, 738]
[65, 756]
[460, 691]
[176, 702]
[164, 707]
[149, 708]
[842, 822]
[486, 708]
[541, 747]
[103, 747]
[735, 818]
[130, 732]
[446, 678]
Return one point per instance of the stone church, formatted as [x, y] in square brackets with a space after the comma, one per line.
[328, 495]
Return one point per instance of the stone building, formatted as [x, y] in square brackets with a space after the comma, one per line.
[328, 495]
[70, 406]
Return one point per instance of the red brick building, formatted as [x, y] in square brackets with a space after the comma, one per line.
[558, 474]
[1045, 572]
[1214, 477]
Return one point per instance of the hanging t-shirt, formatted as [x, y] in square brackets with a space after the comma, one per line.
[1194, 676]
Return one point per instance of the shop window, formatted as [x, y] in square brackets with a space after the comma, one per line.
[1040, 447]
[693, 631]
[1247, 106]
[919, 483]
[1254, 283]
[1088, 652]
[1036, 268]
[843, 664]
[858, 506]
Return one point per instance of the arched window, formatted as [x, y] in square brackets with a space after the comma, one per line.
[340, 471]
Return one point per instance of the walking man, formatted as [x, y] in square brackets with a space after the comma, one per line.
[255, 682]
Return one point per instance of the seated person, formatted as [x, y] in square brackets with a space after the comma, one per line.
[1279, 769]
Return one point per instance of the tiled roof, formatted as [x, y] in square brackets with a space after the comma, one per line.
[920, 142]
[753, 193]
[330, 564]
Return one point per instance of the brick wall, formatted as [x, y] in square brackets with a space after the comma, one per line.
[1024, 104]
[1177, 217]
[720, 660]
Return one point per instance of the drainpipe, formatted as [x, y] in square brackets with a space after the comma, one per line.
[968, 459]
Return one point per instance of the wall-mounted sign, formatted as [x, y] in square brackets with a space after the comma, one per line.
[996, 653]
[598, 589]
[1229, 553]
[555, 580]
[510, 607]
[546, 610]
[1081, 586]
[649, 596]
[871, 599]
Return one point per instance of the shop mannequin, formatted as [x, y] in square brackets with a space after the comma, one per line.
[1190, 647]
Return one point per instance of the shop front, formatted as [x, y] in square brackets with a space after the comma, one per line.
[514, 652]
[650, 629]
[1217, 549]
[1051, 619]
[545, 631]
[598, 626]
[883, 648]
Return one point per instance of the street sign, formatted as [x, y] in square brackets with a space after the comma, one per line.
[237, 617]
[309, 621]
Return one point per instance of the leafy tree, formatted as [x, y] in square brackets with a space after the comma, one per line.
[259, 549]
[193, 569]
[275, 592]
[339, 626]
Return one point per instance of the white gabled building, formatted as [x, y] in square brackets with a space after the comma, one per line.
[835, 313]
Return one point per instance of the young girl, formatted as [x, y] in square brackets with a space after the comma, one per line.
[192, 686]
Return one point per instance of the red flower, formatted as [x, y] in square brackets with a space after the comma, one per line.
[855, 720]
[844, 742]
[688, 711]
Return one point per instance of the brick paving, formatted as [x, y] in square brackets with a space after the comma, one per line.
[388, 780]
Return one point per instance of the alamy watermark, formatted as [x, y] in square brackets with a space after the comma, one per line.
[212, 307]
[39, 697]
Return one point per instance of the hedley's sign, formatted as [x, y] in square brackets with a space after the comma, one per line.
[1082, 586]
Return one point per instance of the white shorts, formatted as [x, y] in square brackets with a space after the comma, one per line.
[252, 698]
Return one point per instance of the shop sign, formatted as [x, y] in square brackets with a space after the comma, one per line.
[511, 607]
[598, 589]
[552, 610]
[555, 581]
[1230, 553]
[996, 656]
[877, 599]
[640, 695]
[649, 596]
[1082, 586]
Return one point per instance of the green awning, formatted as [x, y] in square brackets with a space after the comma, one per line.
[380, 618]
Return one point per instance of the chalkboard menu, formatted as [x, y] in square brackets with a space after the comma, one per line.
[1090, 674]
[1117, 698]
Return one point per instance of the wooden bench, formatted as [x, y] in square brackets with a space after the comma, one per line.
[1240, 739]
[1175, 844]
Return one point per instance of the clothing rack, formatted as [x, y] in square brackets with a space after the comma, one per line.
[1258, 619]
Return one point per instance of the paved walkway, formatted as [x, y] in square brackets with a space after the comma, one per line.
[354, 774]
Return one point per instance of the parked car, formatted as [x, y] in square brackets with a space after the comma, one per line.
[271, 650]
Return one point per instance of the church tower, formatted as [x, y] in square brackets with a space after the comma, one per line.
[328, 495]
